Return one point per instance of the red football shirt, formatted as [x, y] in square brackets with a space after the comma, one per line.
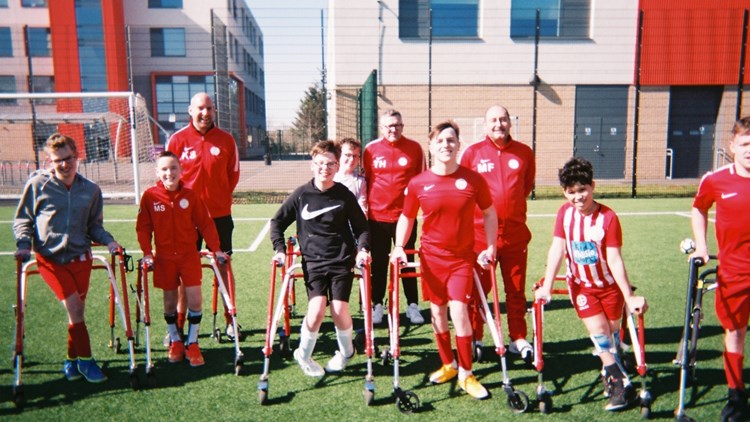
[448, 204]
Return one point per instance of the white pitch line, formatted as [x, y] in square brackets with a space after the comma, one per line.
[262, 235]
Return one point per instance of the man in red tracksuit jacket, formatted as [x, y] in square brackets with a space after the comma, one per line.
[509, 168]
[211, 167]
[389, 164]
[169, 213]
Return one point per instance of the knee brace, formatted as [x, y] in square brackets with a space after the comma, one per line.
[603, 343]
[194, 318]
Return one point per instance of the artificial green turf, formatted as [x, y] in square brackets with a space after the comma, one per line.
[652, 257]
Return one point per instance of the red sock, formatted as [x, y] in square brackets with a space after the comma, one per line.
[463, 347]
[181, 321]
[733, 370]
[79, 337]
[72, 355]
[444, 347]
[477, 323]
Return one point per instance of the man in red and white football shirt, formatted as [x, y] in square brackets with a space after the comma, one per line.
[729, 188]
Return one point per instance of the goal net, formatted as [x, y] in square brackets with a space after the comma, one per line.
[113, 131]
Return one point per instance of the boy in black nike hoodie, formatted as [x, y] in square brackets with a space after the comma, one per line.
[333, 237]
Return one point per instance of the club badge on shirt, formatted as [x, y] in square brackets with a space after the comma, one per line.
[184, 203]
[215, 151]
[461, 184]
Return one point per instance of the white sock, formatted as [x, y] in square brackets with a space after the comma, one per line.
[463, 373]
[307, 340]
[194, 321]
[344, 338]
[174, 335]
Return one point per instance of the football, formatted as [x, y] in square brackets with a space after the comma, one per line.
[687, 246]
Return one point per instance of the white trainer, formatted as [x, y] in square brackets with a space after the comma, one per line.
[377, 314]
[309, 366]
[338, 362]
[523, 348]
[412, 312]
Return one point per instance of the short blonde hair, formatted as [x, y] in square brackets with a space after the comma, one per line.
[58, 141]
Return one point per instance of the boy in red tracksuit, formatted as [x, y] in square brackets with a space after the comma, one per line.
[211, 167]
[170, 213]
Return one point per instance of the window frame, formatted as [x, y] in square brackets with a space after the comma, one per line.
[34, 43]
[414, 19]
[160, 46]
[559, 19]
[7, 49]
[160, 4]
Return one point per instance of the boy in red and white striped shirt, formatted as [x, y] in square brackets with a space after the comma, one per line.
[589, 236]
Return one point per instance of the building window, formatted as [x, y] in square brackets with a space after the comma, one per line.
[7, 85]
[3, 3]
[39, 42]
[165, 4]
[32, 3]
[558, 18]
[6, 45]
[450, 19]
[168, 42]
[43, 84]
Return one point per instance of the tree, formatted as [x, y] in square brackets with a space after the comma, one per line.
[310, 123]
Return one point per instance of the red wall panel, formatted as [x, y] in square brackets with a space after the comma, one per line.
[691, 42]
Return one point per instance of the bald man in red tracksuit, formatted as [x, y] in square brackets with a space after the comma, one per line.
[509, 168]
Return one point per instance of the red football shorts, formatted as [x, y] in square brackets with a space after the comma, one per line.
[732, 301]
[170, 273]
[589, 301]
[445, 279]
[66, 279]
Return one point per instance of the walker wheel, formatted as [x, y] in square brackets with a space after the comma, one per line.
[284, 348]
[518, 402]
[118, 346]
[151, 378]
[477, 354]
[407, 402]
[262, 397]
[238, 364]
[369, 397]
[645, 411]
[217, 335]
[385, 356]
[19, 399]
[134, 382]
[545, 404]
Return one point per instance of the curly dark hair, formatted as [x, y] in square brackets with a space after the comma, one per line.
[576, 171]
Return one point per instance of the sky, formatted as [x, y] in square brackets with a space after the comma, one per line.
[292, 47]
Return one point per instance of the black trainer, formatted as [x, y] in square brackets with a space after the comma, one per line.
[736, 409]
[620, 395]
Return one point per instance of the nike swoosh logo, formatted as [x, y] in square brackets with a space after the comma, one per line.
[308, 215]
[484, 160]
[728, 195]
[428, 187]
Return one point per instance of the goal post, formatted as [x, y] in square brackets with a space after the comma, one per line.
[113, 132]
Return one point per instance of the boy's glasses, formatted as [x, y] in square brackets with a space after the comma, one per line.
[59, 161]
[321, 165]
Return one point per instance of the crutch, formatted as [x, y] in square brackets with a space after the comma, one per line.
[698, 284]
[406, 401]
[518, 401]
[364, 290]
[226, 287]
[288, 274]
